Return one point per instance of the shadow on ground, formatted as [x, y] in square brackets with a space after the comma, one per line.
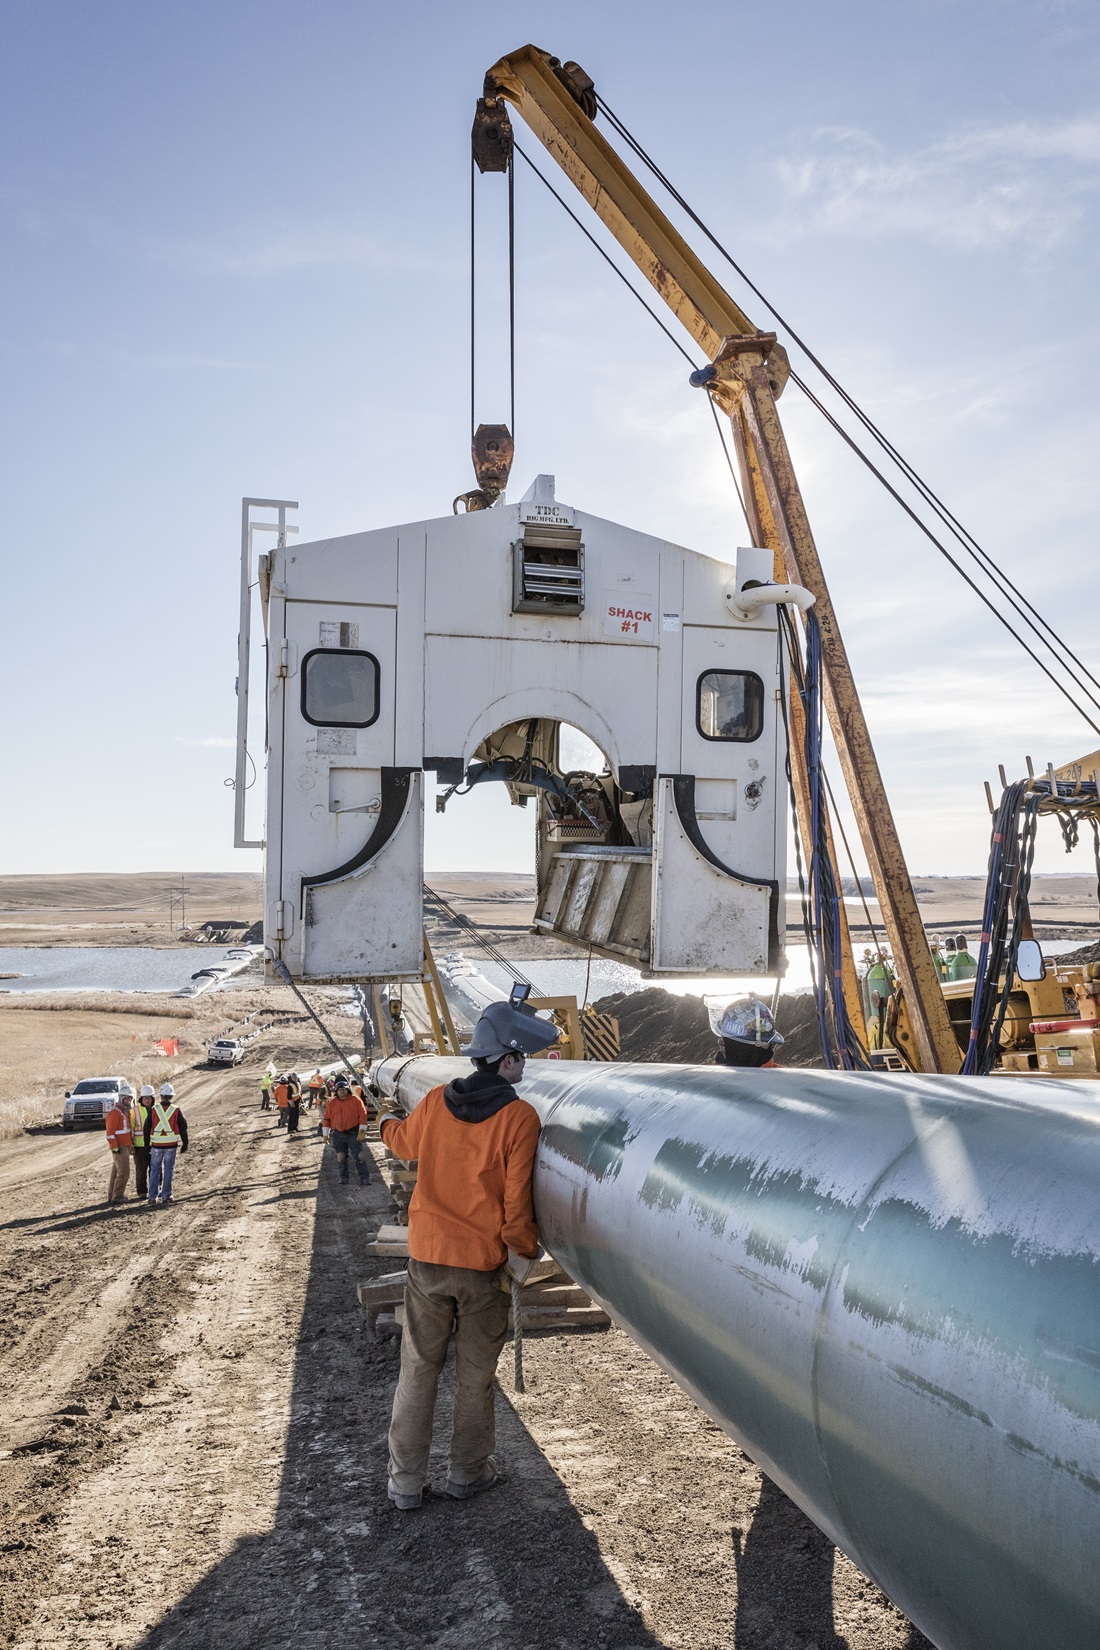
[516, 1569]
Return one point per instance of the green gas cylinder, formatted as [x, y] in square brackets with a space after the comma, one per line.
[961, 964]
[937, 958]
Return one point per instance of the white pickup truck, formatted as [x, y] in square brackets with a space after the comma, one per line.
[92, 1099]
[227, 1051]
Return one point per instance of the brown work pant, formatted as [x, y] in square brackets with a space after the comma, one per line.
[437, 1299]
[120, 1174]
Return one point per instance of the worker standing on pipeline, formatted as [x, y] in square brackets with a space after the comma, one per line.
[119, 1141]
[167, 1136]
[471, 1217]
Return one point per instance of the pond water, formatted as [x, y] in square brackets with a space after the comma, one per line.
[108, 967]
[155, 968]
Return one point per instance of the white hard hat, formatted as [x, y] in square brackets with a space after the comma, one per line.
[747, 1020]
[167, 1092]
[147, 1092]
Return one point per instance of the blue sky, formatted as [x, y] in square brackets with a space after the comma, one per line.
[235, 262]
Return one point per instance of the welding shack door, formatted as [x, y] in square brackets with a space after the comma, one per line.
[718, 822]
[347, 869]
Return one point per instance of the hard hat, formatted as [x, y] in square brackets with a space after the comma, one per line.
[503, 1030]
[167, 1092]
[747, 1020]
[147, 1092]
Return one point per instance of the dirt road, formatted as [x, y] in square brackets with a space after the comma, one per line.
[194, 1443]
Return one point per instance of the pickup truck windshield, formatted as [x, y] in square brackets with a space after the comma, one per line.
[96, 1085]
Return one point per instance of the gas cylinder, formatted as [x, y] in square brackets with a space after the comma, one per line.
[961, 964]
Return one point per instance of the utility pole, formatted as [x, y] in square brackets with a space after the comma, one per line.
[182, 896]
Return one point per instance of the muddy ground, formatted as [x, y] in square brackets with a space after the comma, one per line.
[194, 1440]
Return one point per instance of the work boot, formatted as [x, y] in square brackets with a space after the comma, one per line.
[463, 1492]
[405, 1503]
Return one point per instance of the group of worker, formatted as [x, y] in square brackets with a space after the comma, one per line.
[290, 1094]
[150, 1132]
[472, 1235]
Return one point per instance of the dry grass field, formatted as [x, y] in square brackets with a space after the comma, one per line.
[93, 908]
[49, 1041]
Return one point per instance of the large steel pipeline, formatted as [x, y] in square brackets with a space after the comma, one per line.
[886, 1288]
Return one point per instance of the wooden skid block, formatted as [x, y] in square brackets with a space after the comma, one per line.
[576, 1317]
[384, 1291]
[386, 1251]
[559, 1295]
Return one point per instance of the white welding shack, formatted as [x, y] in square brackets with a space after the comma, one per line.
[460, 647]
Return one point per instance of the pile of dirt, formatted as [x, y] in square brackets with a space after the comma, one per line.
[658, 1025]
[1083, 954]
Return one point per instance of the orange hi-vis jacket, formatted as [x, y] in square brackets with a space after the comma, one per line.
[282, 1095]
[345, 1111]
[472, 1201]
[119, 1133]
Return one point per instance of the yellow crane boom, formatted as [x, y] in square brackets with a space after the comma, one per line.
[557, 102]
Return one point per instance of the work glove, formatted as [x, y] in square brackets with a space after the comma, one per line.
[325, 1131]
[519, 1267]
[362, 1131]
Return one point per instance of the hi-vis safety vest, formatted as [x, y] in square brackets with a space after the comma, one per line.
[118, 1128]
[165, 1128]
[265, 1081]
[139, 1122]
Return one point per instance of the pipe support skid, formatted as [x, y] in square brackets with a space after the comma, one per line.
[886, 1288]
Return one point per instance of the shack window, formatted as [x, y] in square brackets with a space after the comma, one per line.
[730, 705]
[340, 688]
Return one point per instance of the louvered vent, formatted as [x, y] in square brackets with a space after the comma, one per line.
[548, 570]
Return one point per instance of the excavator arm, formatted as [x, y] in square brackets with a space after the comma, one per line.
[749, 369]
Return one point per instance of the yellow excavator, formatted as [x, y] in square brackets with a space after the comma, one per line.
[933, 1025]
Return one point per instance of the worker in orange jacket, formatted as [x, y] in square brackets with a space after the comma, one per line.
[471, 1217]
[282, 1101]
[316, 1088]
[120, 1139]
[343, 1118]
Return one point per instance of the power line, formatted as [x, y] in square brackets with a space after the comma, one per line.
[1062, 653]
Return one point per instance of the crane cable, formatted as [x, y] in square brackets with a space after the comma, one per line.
[650, 311]
[511, 299]
[1068, 660]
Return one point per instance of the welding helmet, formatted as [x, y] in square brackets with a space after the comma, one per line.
[503, 1029]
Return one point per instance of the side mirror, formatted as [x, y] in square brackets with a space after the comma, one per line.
[68, 1094]
[1029, 961]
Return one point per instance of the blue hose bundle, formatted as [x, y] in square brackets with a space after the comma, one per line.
[841, 1044]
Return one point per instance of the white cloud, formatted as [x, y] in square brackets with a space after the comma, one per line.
[981, 188]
